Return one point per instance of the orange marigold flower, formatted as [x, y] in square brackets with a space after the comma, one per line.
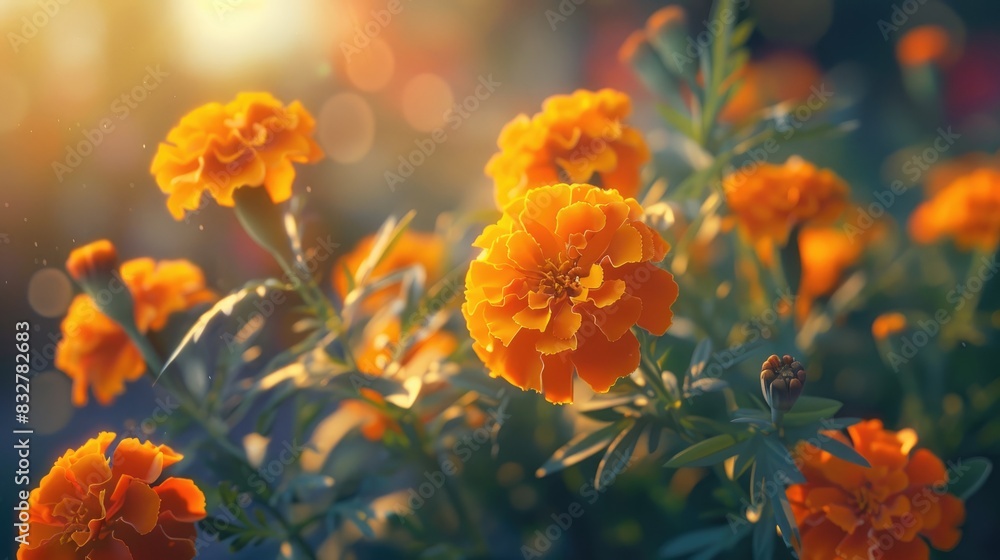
[93, 260]
[575, 137]
[96, 351]
[847, 511]
[249, 142]
[967, 210]
[88, 507]
[888, 324]
[827, 253]
[946, 172]
[562, 278]
[926, 44]
[427, 250]
[780, 76]
[771, 199]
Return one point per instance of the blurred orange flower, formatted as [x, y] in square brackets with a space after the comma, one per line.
[379, 354]
[251, 141]
[578, 138]
[946, 172]
[888, 324]
[91, 261]
[427, 250]
[775, 78]
[96, 351]
[826, 254]
[88, 507]
[769, 200]
[967, 210]
[562, 278]
[846, 511]
[926, 44]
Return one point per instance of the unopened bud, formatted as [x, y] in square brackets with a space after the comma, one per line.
[781, 381]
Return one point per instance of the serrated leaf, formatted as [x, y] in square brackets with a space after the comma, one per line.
[579, 448]
[620, 451]
[969, 476]
[707, 452]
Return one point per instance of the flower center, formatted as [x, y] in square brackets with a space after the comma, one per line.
[561, 280]
[866, 500]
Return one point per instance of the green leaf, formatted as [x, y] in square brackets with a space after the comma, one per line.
[791, 261]
[841, 450]
[759, 422]
[699, 358]
[763, 536]
[619, 453]
[782, 468]
[708, 452]
[742, 32]
[676, 119]
[786, 522]
[810, 409]
[969, 476]
[581, 447]
[695, 541]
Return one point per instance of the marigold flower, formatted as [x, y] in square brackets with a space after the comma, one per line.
[92, 261]
[379, 354]
[946, 172]
[427, 250]
[770, 200]
[88, 507]
[579, 137]
[926, 44]
[847, 511]
[826, 253]
[96, 351]
[778, 77]
[563, 276]
[967, 210]
[250, 142]
[888, 324]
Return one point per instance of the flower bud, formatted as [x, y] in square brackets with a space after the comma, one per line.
[95, 267]
[781, 382]
[667, 32]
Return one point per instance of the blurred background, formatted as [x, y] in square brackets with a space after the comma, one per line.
[88, 89]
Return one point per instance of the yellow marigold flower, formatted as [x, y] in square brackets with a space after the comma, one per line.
[249, 142]
[563, 276]
[96, 352]
[967, 210]
[769, 200]
[90, 507]
[888, 324]
[890, 511]
[427, 250]
[579, 137]
[926, 44]
[94, 260]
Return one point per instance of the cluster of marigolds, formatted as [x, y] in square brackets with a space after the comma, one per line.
[564, 279]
